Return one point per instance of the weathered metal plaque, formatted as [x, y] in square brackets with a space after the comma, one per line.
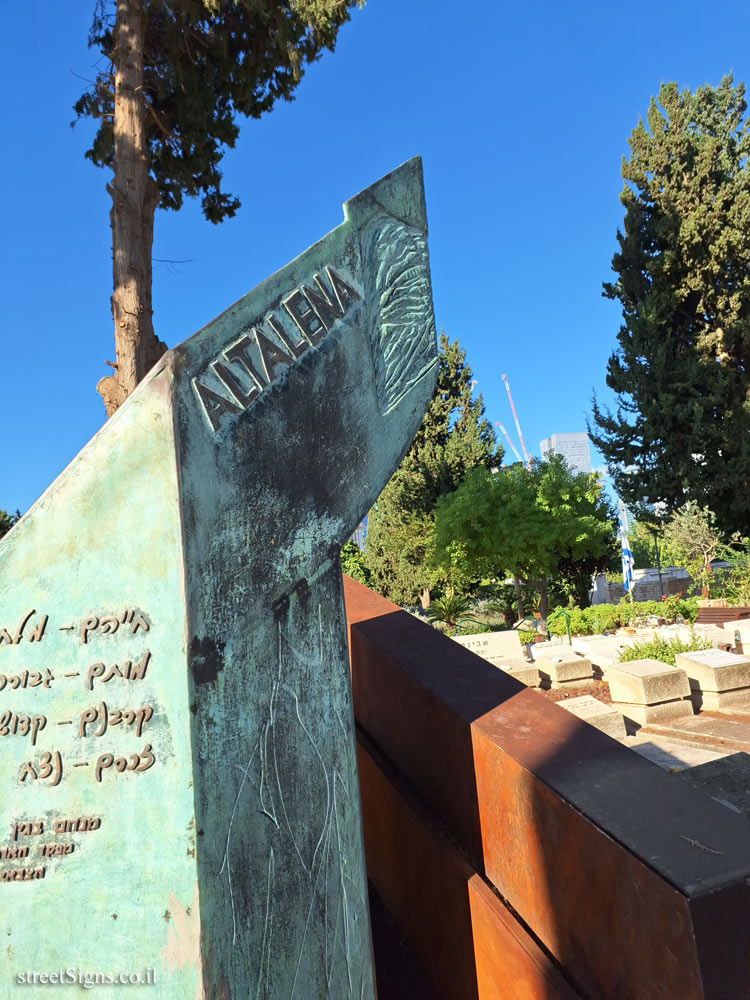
[179, 790]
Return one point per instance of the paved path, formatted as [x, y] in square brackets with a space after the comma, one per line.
[714, 730]
[670, 755]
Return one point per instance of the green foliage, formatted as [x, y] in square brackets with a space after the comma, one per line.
[205, 63]
[454, 436]
[467, 626]
[663, 649]
[353, 563]
[733, 584]
[7, 521]
[692, 540]
[600, 618]
[680, 607]
[449, 609]
[681, 429]
[535, 523]
[642, 545]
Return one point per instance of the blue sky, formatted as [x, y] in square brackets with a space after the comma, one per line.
[520, 112]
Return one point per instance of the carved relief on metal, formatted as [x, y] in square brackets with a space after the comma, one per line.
[309, 834]
[398, 298]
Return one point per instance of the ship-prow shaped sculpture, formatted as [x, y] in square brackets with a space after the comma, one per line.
[197, 748]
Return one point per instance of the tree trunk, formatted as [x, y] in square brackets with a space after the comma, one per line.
[707, 572]
[543, 599]
[134, 199]
[425, 598]
[519, 599]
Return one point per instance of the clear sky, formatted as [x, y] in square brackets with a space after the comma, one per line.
[521, 113]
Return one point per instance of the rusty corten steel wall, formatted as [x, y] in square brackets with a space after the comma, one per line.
[463, 937]
[638, 884]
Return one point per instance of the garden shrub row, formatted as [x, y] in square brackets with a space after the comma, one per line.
[601, 618]
[664, 649]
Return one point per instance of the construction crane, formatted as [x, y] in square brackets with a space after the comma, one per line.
[513, 447]
[518, 426]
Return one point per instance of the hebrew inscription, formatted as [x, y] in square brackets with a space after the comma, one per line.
[177, 746]
[60, 723]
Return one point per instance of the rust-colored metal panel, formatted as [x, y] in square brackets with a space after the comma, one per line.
[634, 801]
[467, 942]
[724, 960]
[510, 964]
[415, 694]
[422, 881]
[363, 604]
[619, 929]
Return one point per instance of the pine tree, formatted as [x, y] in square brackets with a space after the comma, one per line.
[681, 429]
[175, 75]
[455, 436]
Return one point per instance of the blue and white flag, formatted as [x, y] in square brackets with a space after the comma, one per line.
[627, 555]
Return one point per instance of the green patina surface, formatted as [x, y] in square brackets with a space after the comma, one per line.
[213, 506]
[105, 539]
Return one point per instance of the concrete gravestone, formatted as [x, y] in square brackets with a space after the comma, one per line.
[179, 785]
[496, 647]
[718, 680]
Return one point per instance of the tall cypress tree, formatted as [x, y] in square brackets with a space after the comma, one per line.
[455, 436]
[174, 77]
[681, 429]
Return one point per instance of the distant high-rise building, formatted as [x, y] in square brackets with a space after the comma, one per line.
[574, 448]
[359, 535]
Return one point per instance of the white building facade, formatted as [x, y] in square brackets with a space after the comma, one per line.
[574, 448]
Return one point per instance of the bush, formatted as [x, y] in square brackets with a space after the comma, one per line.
[664, 649]
[609, 617]
[353, 564]
[734, 583]
[468, 627]
[448, 609]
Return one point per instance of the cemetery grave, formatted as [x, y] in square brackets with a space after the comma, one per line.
[718, 680]
[649, 691]
[602, 717]
[563, 668]
[655, 701]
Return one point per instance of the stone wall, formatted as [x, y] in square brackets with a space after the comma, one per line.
[646, 586]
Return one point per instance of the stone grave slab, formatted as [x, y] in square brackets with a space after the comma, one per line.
[727, 780]
[496, 647]
[523, 671]
[670, 755]
[597, 714]
[715, 669]
[718, 733]
[630, 636]
[646, 682]
[737, 700]
[564, 667]
[719, 637]
[550, 645]
[664, 711]
[176, 732]
[603, 651]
